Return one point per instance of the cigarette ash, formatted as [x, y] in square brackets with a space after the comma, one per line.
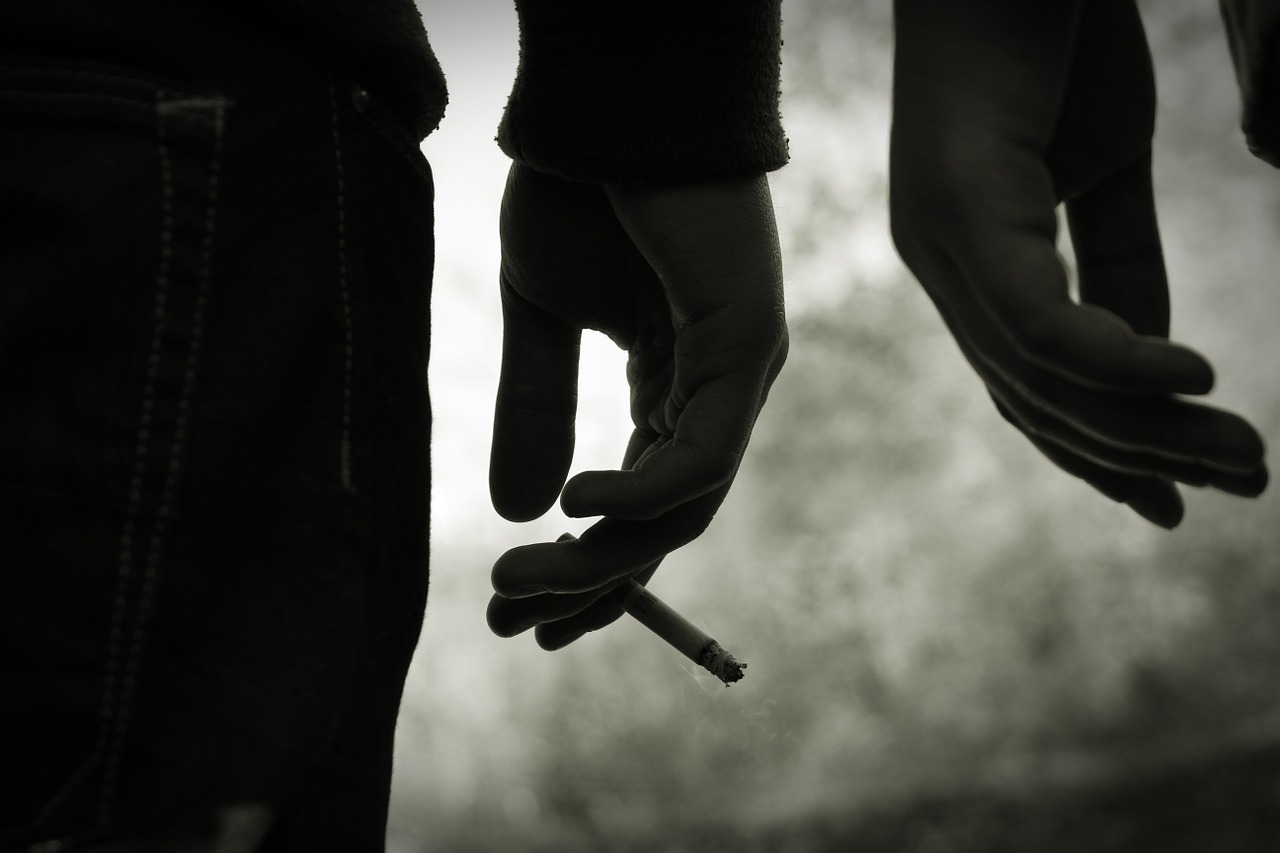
[721, 664]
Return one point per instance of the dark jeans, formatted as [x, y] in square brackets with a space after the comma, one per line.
[214, 434]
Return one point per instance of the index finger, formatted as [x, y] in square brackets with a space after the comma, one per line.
[1016, 275]
[1116, 240]
[609, 550]
[703, 454]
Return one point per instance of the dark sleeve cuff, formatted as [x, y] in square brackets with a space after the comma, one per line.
[658, 91]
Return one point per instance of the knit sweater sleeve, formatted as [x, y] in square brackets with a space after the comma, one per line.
[647, 92]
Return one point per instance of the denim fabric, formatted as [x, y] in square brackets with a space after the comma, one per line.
[214, 436]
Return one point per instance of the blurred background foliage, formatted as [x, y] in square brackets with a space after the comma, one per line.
[953, 646]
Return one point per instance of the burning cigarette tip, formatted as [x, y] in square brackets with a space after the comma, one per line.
[689, 639]
[721, 664]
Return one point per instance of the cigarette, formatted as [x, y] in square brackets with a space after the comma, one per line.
[682, 634]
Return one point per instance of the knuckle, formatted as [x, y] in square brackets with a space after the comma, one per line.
[781, 350]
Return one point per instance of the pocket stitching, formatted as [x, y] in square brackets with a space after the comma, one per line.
[119, 678]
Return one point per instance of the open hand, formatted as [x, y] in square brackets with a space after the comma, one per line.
[1002, 110]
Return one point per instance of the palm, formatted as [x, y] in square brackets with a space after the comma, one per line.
[1058, 106]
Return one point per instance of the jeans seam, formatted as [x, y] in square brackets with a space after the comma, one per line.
[117, 691]
[125, 562]
[344, 451]
[176, 448]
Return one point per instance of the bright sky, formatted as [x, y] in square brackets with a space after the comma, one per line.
[477, 46]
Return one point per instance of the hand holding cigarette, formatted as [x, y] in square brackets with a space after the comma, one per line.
[687, 279]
